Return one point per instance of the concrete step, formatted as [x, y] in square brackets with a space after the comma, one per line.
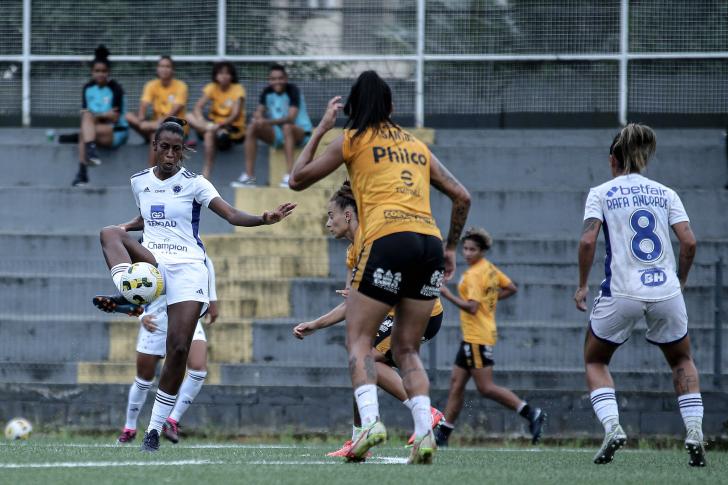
[524, 345]
[124, 373]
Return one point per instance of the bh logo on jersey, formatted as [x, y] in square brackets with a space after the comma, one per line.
[387, 280]
[157, 212]
[433, 289]
[653, 277]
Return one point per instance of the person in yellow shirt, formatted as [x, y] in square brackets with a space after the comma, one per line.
[166, 96]
[225, 120]
[343, 223]
[480, 288]
[401, 262]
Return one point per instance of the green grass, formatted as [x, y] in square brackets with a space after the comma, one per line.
[200, 462]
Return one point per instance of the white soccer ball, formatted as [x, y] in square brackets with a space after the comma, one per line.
[18, 429]
[142, 283]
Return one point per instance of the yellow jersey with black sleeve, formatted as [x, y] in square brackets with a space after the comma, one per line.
[222, 104]
[162, 98]
[390, 177]
[481, 282]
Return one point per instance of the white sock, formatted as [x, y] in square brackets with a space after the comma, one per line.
[368, 403]
[116, 273]
[691, 409]
[163, 404]
[188, 392]
[137, 395]
[408, 403]
[604, 402]
[355, 430]
[421, 414]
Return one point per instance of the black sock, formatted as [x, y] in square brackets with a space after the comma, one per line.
[446, 428]
[90, 146]
[526, 411]
[82, 169]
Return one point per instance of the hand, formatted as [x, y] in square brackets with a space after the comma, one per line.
[212, 126]
[148, 323]
[580, 298]
[280, 213]
[344, 293]
[449, 264]
[303, 329]
[332, 110]
[212, 313]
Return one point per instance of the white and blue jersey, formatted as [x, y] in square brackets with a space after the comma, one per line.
[277, 105]
[171, 211]
[101, 99]
[637, 214]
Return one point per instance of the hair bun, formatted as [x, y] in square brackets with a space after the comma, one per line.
[174, 119]
[101, 53]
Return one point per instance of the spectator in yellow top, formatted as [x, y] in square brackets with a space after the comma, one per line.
[480, 288]
[166, 96]
[225, 120]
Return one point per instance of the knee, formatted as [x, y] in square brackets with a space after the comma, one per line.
[178, 350]
[402, 351]
[287, 130]
[131, 118]
[110, 233]
[486, 390]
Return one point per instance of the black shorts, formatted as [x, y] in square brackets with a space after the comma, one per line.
[474, 356]
[400, 265]
[383, 339]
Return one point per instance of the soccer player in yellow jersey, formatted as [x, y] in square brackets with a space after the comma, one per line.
[225, 121]
[401, 261]
[166, 96]
[343, 223]
[480, 288]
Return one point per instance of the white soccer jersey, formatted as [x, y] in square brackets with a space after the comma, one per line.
[637, 214]
[171, 212]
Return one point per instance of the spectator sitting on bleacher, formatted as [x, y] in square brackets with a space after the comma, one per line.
[279, 120]
[166, 96]
[102, 115]
[225, 122]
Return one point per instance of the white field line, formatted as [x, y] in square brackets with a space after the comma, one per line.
[105, 464]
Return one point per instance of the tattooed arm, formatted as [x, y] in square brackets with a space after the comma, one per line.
[443, 180]
[688, 246]
[587, 248]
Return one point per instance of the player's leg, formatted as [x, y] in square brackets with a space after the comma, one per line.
[210, 141]
[191, 386]
[146, 366]
[257, 130]
[458, 380]
[183, 318]
[292, 136]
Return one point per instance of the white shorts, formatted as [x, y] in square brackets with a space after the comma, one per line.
[155, 343]
[186, 282]
[614, 318]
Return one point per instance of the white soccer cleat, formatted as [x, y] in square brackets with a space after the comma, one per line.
[370, 436]
[423, 449]
[695, 446]
[613, 441]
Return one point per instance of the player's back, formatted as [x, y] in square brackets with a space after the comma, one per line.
[637, 215]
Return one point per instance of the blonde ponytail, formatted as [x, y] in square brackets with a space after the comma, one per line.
[634, 147]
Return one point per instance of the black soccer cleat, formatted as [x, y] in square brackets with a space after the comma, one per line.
[441, 436]
[117, 304]
[151, 441]
[536, 424]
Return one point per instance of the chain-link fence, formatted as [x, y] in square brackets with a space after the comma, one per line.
[467, 60]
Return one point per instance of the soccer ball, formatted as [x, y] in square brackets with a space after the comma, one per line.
[142, 283]
[18, 429]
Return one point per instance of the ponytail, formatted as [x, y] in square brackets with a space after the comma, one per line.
[633, 147]
[344, 197]
[101, 55]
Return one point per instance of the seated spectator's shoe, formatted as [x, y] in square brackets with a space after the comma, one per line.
[151, 441]
[118, 304]
[423, 450]
[80, 180]
[91, 156]
[126, 436]
[170, 430]
[535, 426]
[284, 181]
[696, 448]
[437, 417]
[191, 144]
[244, 181]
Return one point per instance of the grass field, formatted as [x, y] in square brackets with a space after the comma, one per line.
[92, 460]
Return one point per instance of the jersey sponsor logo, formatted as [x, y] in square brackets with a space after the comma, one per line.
[643, 195]
[392, 215]
[166, 246]
[157, 211]
[200, 292]
[398, 155]
[146, 189]
[387, 280]
[433, 289]
[386, 325]
[653, 277]
[162, 223]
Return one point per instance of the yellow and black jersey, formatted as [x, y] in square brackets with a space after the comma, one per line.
[390, 177]
[481, 283]
[222, 103]
[162, 98]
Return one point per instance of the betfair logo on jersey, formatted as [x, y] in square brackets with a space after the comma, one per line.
[646, 189]
[398, 155]
[387, 280]
[157, 211]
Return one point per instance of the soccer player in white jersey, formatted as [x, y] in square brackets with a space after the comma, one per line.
[641, 281]
[170, 199]
[151, 348]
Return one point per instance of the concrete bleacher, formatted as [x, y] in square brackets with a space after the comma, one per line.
[528, 190]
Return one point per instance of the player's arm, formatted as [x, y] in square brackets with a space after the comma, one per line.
[470, 306]
[445, 182]
[136, 224]
[336, 315]
[234, 113]
[142, 112]
[240, 218]
[507, 291]
[308, 170]
[289, 118]
[587, 248]
[199, 106]
[176, 108]
[688, 247]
